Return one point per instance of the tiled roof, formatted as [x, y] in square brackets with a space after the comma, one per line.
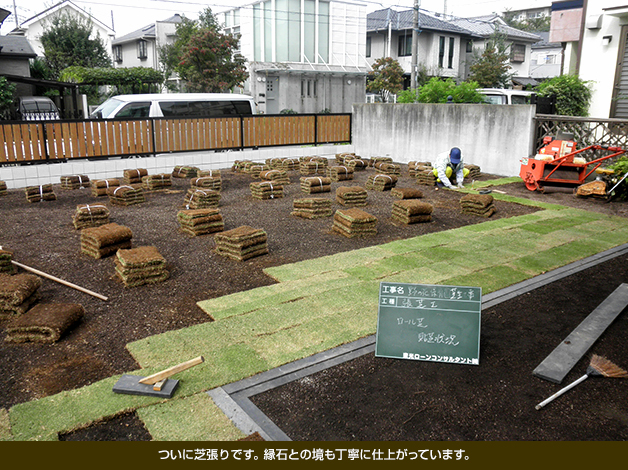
[486, 25]
[400, 20]
[145, 32]
[16, 46]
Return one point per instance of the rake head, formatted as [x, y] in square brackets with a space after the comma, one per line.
[602, 367]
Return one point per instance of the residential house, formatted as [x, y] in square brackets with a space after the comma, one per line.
[140, 48]
[545, 58]
[566, 29]
[15, 54]
[603, 55]
[526, 15]
[520, 44]
[34, 27]
[302, 55]
[442, 45]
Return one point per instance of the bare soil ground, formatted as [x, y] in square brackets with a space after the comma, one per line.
[41, 236]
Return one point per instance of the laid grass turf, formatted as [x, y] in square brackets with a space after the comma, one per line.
[316, 305]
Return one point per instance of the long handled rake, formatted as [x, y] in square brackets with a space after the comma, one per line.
[598, 367]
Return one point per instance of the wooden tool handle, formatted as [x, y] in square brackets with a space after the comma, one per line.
[164, 374]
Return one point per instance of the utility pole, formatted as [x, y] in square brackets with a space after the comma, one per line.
[415, 46]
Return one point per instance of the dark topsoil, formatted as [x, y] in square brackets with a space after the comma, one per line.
[389, 399]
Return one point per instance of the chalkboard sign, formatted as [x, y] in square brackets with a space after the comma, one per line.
[429, 323]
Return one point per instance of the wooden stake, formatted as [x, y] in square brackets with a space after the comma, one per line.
[164, 374]
[60, 281]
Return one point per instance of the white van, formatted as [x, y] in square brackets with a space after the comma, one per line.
[506, 96]
[175, 105]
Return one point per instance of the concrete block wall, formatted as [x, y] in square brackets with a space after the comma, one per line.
[51, 173]
[494, 137]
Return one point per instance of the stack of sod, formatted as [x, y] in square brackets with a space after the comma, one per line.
[3, 188]
[426, 177]
[155, 182]
[315, 184]
[18, 293]
[474, 170]
[75, 182]
[313, 166]
[133, 176]
[126, 195]
[87, 215]
[100, 187]
[277, 175]
[40, 193]
[388, 168]
[241, 243]
[238, 165]
[381, 182]
[290, 164]
[207, 182]
[406, 193]
[183, 171]
[478, 204]
[414, 167]
[311, 208]
[6, 266]
[142, 265]
[211, 173]
[44, 323]
[357, 164]
[351, 196]
[354, 223]
[254, 169]
[375, 160]
[201, 199]
[412, 211]
[340, 173]
[105, 240]
[275, 162]
[266, 190]
[200, 221]
[343, 158]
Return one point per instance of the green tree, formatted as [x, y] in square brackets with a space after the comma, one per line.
[491, 68]
[386, 77]
[209, 63]
[67, 40]
[573, 95]
[7, 90]
[439, 91]
[203, 56]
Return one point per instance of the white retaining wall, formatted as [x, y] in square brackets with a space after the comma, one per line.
[35, 175]
[494, 137]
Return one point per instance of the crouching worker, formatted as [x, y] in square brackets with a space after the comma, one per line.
[450, 164]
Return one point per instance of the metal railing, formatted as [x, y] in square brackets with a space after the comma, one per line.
[585, 131]
[49, 141]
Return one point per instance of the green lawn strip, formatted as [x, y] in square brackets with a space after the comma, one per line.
[496, 182]
[193, 418]
[308, 268]
[255, 299]
[5, 426]
[489, 279]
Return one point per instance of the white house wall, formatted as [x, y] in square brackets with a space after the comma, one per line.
[598, 62]
[347, 34]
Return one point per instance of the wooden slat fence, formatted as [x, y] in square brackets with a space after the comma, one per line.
[44, 141]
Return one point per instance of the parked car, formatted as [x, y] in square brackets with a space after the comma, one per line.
[175, 105]
[35, 108]
[506, 96]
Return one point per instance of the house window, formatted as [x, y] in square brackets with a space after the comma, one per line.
[142, 49]
[405, 46]
[368, 46]
[117, 53]
[518, 53]
[308, 88]
[441, 51]
[469, 46]
[450, 62]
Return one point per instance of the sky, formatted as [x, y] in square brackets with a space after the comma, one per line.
[127, 16]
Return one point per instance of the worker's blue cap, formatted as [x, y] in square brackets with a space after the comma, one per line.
[455, 155]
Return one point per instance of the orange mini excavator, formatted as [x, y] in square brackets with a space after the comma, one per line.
[558, 164]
